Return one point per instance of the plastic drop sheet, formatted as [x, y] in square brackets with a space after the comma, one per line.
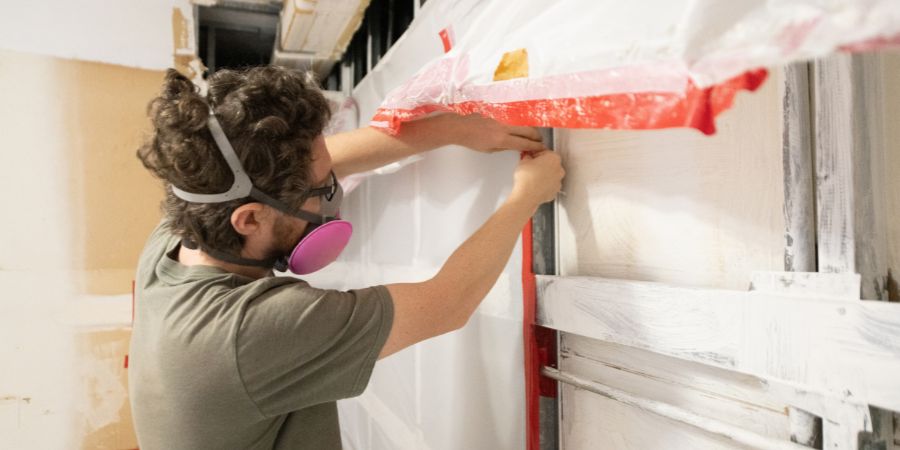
[623, 65]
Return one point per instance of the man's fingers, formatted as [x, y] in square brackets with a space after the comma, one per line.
[532, 155]
[523, 144]
[525, 132]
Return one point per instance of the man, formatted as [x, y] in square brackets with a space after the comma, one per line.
[225, 355]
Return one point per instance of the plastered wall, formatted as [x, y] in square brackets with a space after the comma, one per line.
[76, 78]
[84, 202]
[78, 207]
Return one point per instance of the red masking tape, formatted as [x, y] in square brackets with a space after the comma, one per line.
[540, 348]
[695, 108]
[532, 363]
[446, 39]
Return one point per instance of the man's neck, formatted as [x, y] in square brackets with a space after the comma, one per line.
[197, 257]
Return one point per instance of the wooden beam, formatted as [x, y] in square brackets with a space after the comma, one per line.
[709, 425]
[830, 285]
[849, 152]
[731, 397]
[848, 351]
[799, 187]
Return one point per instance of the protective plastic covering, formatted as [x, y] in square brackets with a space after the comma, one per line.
[624, 65]
[466, 389]
[461, 390]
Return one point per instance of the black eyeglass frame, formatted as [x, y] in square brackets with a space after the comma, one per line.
[325, 191]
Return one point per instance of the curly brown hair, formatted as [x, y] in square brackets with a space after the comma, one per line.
[271, 116]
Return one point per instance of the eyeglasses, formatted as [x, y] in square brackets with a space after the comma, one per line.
[328, 191]
[332, 195]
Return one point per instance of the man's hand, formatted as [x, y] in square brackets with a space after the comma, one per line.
[487, 135]
[538, 177]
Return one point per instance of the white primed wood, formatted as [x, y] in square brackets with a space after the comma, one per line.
[856, 98]
[630, 369]
[833, 99]
[674, 205]
[799, 216]
[592, 422]
[730, 397]
[684, 209]
[734, 434]
[847, 351]
[848, 91]
[890, 74]
[799, 195]
[805, 427]
[842, 429]
[809, 284]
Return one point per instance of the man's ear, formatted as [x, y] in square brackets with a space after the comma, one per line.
[249, 218]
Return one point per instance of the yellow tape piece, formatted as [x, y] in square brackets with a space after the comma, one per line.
[514, 64]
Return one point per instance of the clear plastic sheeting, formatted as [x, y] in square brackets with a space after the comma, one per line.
[464, 389]
[613, 64]
[461, 390]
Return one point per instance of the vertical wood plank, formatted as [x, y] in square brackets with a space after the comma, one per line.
[799, 187]
[833, 101]
[849, 152]
[850, 156]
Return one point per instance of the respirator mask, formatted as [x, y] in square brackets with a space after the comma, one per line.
[326, 235]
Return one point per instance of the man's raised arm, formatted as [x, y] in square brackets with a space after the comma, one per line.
[445, 303]
[367, 148]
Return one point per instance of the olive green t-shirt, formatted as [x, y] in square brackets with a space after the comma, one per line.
[221, 361]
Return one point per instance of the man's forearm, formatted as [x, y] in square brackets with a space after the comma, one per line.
[367, 148]
[446, 301]
[471, 271]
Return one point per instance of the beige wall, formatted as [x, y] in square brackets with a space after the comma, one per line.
[70, 130]
[77, 207]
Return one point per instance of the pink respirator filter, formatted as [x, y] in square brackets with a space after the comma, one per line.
[320, 247]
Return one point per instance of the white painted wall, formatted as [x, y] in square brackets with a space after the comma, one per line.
[461, 390]
[131, 33]
[42, 403]
[464, 389]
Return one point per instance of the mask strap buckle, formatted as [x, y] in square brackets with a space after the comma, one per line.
[242, 185]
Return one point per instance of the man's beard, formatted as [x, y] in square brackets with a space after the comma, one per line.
[287, 237]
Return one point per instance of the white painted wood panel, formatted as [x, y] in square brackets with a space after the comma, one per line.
[674, 205]
[592, 422]
[846, 351]
[891, 116]
[848, 91]
[891, 76]
[736, 399]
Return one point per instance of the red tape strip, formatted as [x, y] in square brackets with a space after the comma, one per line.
[695, 108]
[532, 363]
[446, 39]
[540, 348]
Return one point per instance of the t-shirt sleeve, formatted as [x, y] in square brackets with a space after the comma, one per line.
[298, 346]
